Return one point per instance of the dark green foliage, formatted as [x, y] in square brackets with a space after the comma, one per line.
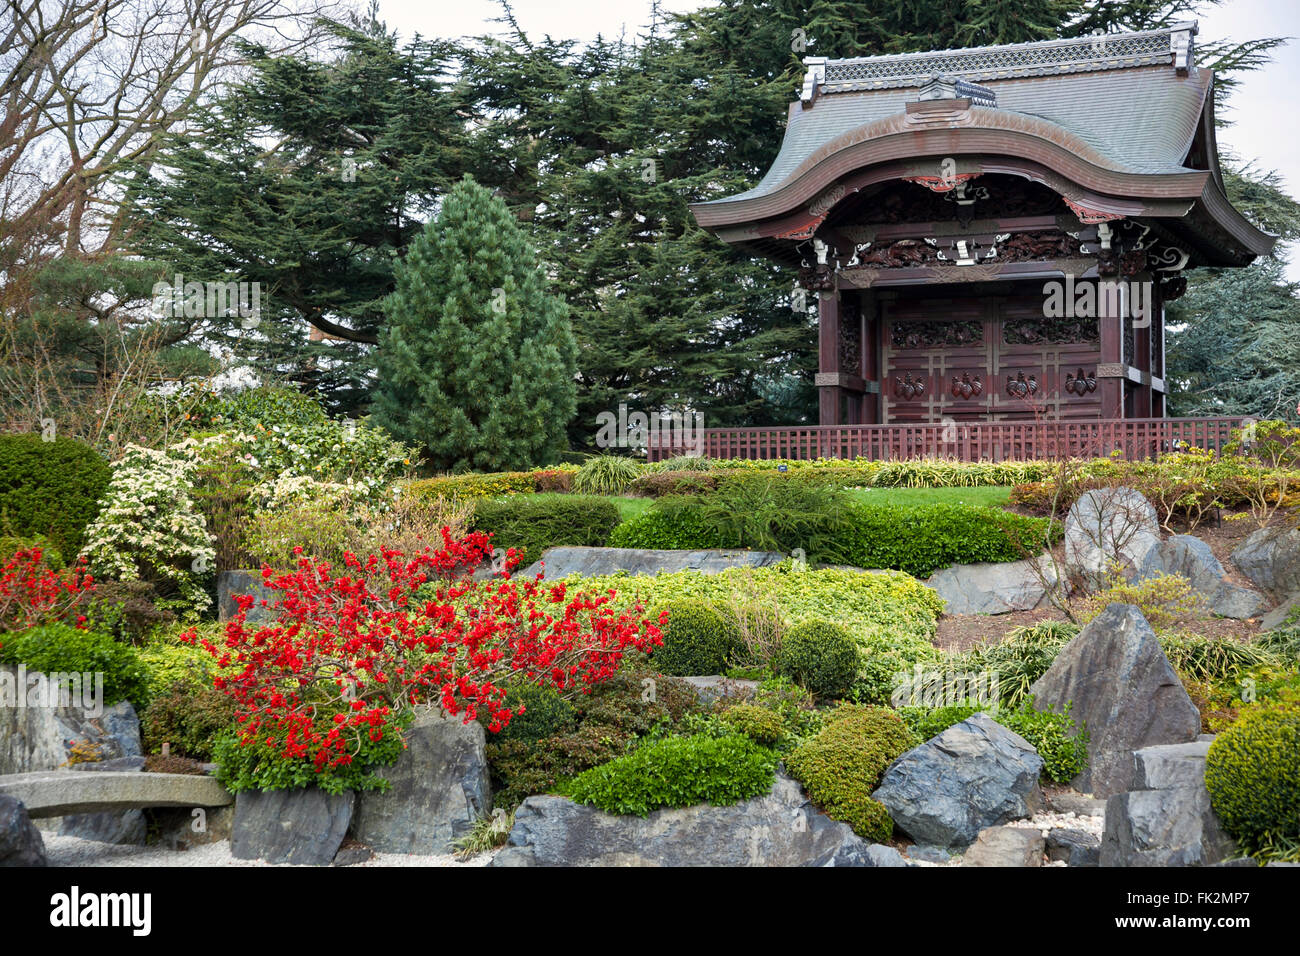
[545, 714]
[189, 716]
[678, 772]
[610, 717]
[842, 765]
[699, 639]
[477, 358]
[266, 405]
[767, 513]
[57, 648]
[671, 523]
[535, 524]
[1253, 775]
[125, 610]
[50, 488]
[821, 656]
[1062, 745]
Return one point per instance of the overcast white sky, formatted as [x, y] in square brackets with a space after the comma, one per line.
[1264, 124]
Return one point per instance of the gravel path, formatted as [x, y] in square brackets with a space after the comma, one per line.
[74, 851]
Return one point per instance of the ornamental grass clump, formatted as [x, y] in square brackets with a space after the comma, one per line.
[351, 652]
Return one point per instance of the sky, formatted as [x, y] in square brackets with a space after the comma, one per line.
[1264, 127]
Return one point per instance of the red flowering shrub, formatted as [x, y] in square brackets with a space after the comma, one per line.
[351, 651]
[32, 594]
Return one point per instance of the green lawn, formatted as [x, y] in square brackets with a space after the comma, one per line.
[992, 495]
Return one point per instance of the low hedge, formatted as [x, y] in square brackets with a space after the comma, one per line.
[558, 478]
[678, 772]
[918, 539]
[842, 765]
[535, 523]
[50, 488]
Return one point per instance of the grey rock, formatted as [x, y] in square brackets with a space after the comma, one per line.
[1190, 557]
[592, 562]
[1280, 863]
[57, 793]
[1071, 801]
[994, 588]
[1277, 617]
[1170, 765]
[714, 687]
[1074, 847]
[1174, 826]
[232, 584]
[1270, 557]
[110, 766]
[184, 827]
[440, 787]
[928, 854]
[36, 738]
[780, 828]
[974, 775]
[1123, 690]
[1005, 846]
[1241, 861]
[304, 826]
[125, 827]
[352, 855]
[20, 841]
[1107, 527]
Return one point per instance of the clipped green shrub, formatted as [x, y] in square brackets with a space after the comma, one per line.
[545, 713]
[606, 475]
[842, 765]
[698, 639]
[533, 523]
[922, 539]
[1253, 775]
[759, 724]
[677, 772]
[57, 648]
[50, 488]
[819, 655]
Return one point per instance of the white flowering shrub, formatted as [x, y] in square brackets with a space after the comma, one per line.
[149, 528]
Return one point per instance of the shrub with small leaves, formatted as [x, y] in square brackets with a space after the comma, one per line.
[678, 772]
[697, 640]
[842, 765]
[759, 724]
[820, 656]
[59, 649]
[1253, 775]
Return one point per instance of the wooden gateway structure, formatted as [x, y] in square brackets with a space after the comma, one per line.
[992, 235]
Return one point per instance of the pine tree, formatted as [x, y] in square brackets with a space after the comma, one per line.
[477, 359]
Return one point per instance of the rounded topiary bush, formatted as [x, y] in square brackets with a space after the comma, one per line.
[698, 639]
[821, 656]
[50, 488]
[1253, 775]
[842, 765]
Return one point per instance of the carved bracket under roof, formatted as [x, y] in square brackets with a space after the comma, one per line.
[1090, 217]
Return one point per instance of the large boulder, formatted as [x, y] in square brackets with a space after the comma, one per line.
[780, 828]
[593, 562]
[974, 775]
[1270, 557]
[232, 584]
[439, 788]
[20, 841]
[1167, 819]
[1109, 528]
[305, 826]
[1190, 557]
[994, 588]
[1119, 686]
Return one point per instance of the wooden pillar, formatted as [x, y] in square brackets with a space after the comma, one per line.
[828, 366]
[1142, 401]
[871, 359]
[1111, 371]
